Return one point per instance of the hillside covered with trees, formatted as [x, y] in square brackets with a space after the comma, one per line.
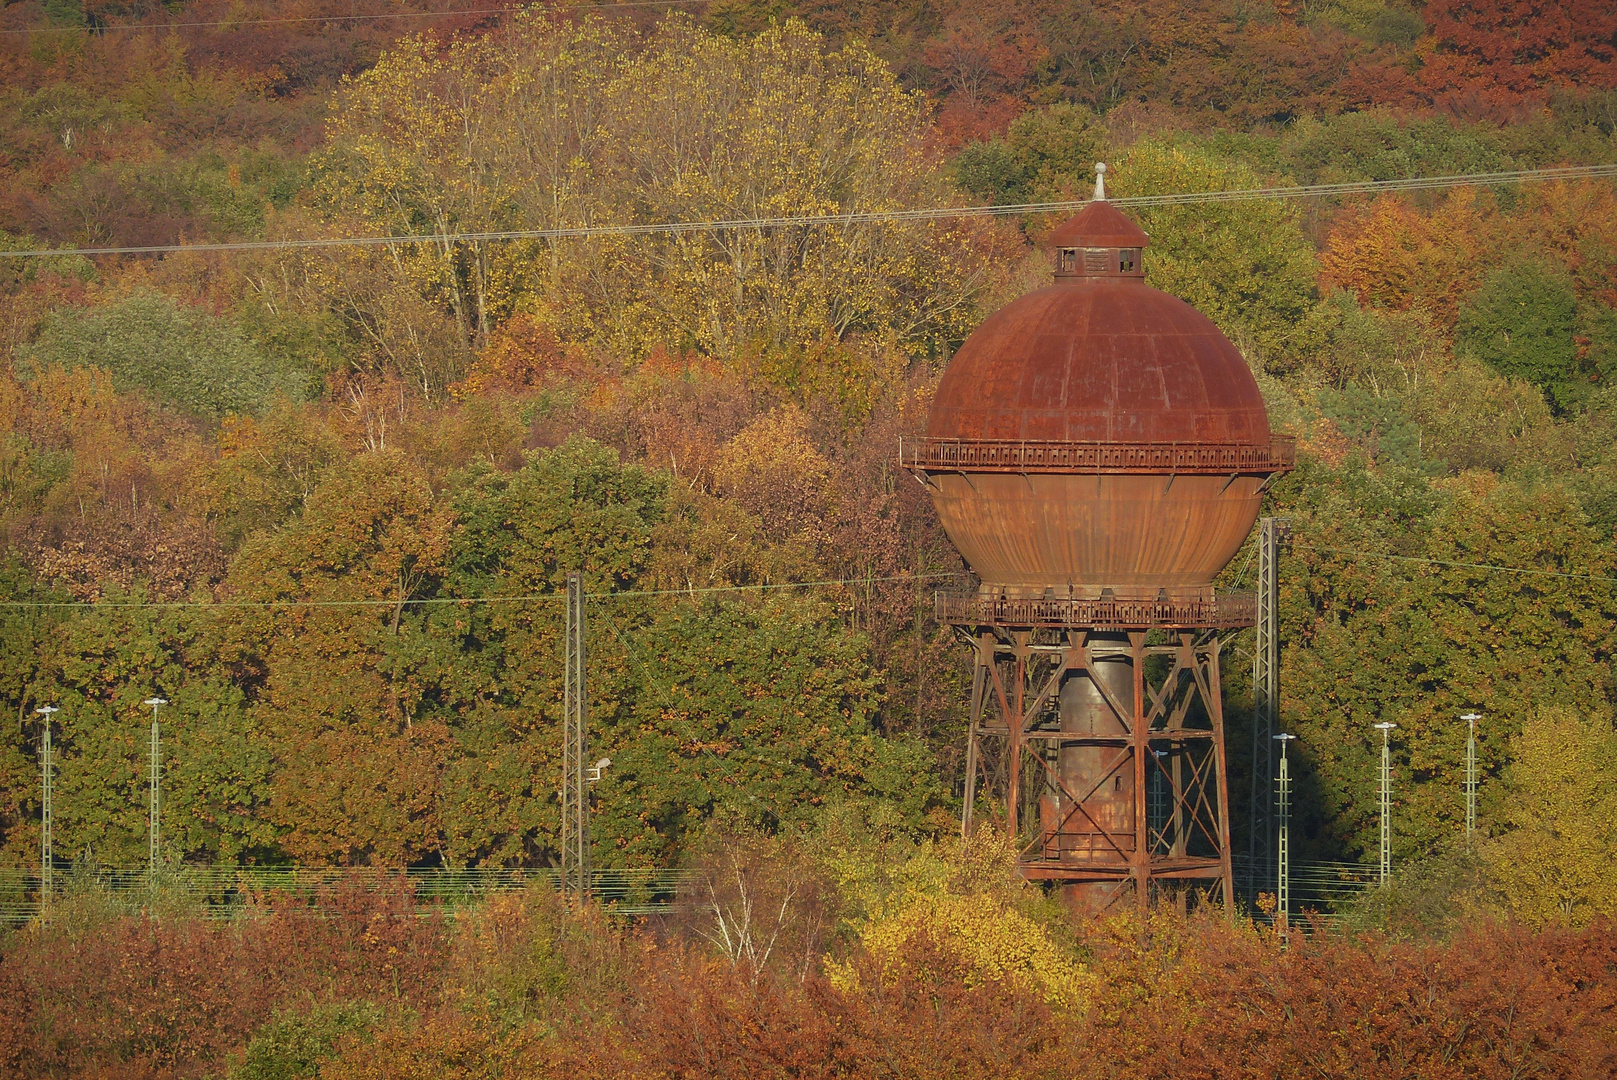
[323, 497]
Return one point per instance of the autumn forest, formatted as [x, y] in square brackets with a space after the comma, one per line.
[322, 499]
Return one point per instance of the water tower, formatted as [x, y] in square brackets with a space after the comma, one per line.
[1097, 451]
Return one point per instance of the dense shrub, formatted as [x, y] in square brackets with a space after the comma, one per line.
[523, 987]
[180, 355]
[177, 997]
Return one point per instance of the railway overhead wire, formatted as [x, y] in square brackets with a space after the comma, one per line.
[858, 217]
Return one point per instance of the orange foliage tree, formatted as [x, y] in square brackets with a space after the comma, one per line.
[1391, 254]
[1515, 50]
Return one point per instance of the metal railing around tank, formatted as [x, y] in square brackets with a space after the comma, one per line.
[1155, 458]
[1225, 609]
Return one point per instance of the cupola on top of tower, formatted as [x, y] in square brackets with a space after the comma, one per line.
[1098, 241]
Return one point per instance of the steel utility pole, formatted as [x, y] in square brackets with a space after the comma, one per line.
[1272, 533]
[154, 853]
[47, 859]
[1283, 846]
[1386, 800]
[1471, 719]
[575, 807]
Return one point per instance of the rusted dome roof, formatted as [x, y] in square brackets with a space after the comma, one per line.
[1099, 359]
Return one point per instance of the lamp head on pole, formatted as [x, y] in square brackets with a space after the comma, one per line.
[1471, 717]
[154, 702]
[46, 710]
[1385, 725]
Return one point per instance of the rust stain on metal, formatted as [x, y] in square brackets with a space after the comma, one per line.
[1099, 360]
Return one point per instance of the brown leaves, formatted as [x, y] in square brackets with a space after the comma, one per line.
[167, 557]
[95, 487]
[1497, 1001]
[531, 990]
[138, 997]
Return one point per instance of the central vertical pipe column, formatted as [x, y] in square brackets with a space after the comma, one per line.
[1096, 700]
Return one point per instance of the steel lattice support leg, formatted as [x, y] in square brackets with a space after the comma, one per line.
[982, 660]
[1140, 743]
[1214, 701]
[1119, 785]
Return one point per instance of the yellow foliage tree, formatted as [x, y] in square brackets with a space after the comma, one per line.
[967, 908]
[1555, 865]
[773, 468]
[563, 123]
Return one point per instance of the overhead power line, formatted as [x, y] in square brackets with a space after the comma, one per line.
[290, 20]
[531, 598]
[939, 213]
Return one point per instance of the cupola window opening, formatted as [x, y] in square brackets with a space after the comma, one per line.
[1127, 260]
[1069, 260]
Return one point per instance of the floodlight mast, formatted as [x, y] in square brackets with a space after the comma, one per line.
[1272, 536]
[575, 824]
[1471, 719]
[154, 854]
[47, 859]
[1386, 800]
[1283, 846]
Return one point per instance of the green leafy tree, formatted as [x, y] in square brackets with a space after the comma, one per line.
[1377, 423]
[217, 771]
[31, 646]
[755, 713]
[266, 469]
[1371, 639]
[1597, 341]
[1249, 266]
[215, 766]
[1047, 154]
[179, 355]
[358, 748]
[1383, 145]
[1522, 323]
[573, 508]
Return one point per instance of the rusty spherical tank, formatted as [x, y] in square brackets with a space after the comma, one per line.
[1098, 437]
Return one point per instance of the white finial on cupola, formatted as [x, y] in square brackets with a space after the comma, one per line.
[1100, 181]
